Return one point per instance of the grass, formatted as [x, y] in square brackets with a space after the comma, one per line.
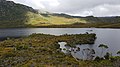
[53, 21]
[39, 50]
[42, 50]
[40, 20]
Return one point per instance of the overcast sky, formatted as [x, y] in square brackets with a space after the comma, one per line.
[77, 7]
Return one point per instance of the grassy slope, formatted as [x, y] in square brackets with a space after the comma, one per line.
[18, 15]
[38, 20]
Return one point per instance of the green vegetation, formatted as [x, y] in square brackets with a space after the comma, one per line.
[13, 15]
[17, 15]
[102, 46]
[42, 50]
[118, 52]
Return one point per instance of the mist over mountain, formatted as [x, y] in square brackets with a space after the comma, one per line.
[97, 8]
[18, 15]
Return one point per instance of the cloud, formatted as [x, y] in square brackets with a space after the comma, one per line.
[77, 7]
[38, 4]
[106, 10]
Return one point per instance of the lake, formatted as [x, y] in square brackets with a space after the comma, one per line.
[110, 37]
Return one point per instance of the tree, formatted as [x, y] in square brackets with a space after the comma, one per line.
[118, 52]
[102, 46]
[107, 56]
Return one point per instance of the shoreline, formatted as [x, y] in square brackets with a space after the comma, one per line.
[60, 27]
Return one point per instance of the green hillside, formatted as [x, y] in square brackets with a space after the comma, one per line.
[18, 15]
[12, 14]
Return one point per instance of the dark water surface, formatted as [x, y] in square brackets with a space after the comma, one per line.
[110, 37]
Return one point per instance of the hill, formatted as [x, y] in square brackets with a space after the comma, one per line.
[18, 15]
[12, 14]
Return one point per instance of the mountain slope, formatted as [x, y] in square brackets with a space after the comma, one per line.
[13, 14]
[18, 15]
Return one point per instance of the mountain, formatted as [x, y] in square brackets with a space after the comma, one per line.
[18, 15]
[12, 14]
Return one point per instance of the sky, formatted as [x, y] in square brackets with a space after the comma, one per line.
[76, 7]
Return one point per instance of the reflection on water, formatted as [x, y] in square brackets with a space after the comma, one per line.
[85, 52]
[110, 37]
[16, 32]
[63, 47]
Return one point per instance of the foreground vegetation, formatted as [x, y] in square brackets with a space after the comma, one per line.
[42, 50]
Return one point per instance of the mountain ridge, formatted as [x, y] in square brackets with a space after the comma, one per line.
[12, 13]
[18, 15]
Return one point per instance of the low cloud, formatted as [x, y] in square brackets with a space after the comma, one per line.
[77, 7]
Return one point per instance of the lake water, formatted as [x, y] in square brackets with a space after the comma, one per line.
[110, 37]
